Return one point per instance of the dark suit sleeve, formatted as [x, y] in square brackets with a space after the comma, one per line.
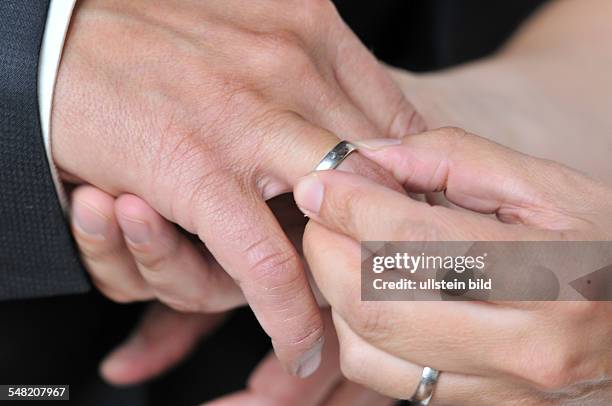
[37, 254]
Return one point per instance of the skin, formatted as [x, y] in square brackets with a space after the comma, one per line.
[531, 105]
[269, 385]
[149, 347]
[532, 199]
[198, 114]
[544, 93]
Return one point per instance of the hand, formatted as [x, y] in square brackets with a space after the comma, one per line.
[126, 267]
[127, 271]
[507, 353]
[166, 336]
[205, 110]
[163, 338]
[270, 385]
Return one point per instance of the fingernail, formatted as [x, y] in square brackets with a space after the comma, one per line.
[90, 220]
[136, 232]
[378, 143]
[308, 194]
[310, 361]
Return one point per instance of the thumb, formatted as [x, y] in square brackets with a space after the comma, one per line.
[163, 338]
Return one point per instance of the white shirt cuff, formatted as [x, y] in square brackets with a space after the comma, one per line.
[58, 20]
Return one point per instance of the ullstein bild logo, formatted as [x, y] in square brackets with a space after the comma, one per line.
[477, 270]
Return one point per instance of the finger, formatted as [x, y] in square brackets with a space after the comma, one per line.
[162, 339]
[269, 377]
[449, 336]
[324, 103]
[371, 87]
[301, 148]
[474, 173]
[367, 365]
[317, 96]
[167, 259]
[442, 160]
[104, 253]
[244, 236]
[318, 25]
[271, 385]
[255, 251]
[366, 211]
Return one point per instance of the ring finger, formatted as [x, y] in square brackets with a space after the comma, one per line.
[399, 378]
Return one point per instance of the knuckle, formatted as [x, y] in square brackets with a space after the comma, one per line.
[190, 146]
[282, 41]
[273, 48]
[283, 53]
[95, 252]
[456, 139]
[368, 319]
[277, 272]
[268, 124]
[91, 254]
[201, 188]
[452, 134]
[559, 367]
[180, 148]
[303, 338]
[582, 310]
[181, 160]
[150, 260]
[273, 267]
[551, 377]
[311, 13]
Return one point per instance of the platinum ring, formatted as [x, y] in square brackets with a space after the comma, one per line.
[336, 155]
[424, 391]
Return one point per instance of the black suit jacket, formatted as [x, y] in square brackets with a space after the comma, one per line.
[61, 340]
[37, 257]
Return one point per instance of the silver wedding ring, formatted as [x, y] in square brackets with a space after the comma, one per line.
[424, 391]
[335, 156]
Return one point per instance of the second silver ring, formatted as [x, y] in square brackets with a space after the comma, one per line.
[425, 389]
